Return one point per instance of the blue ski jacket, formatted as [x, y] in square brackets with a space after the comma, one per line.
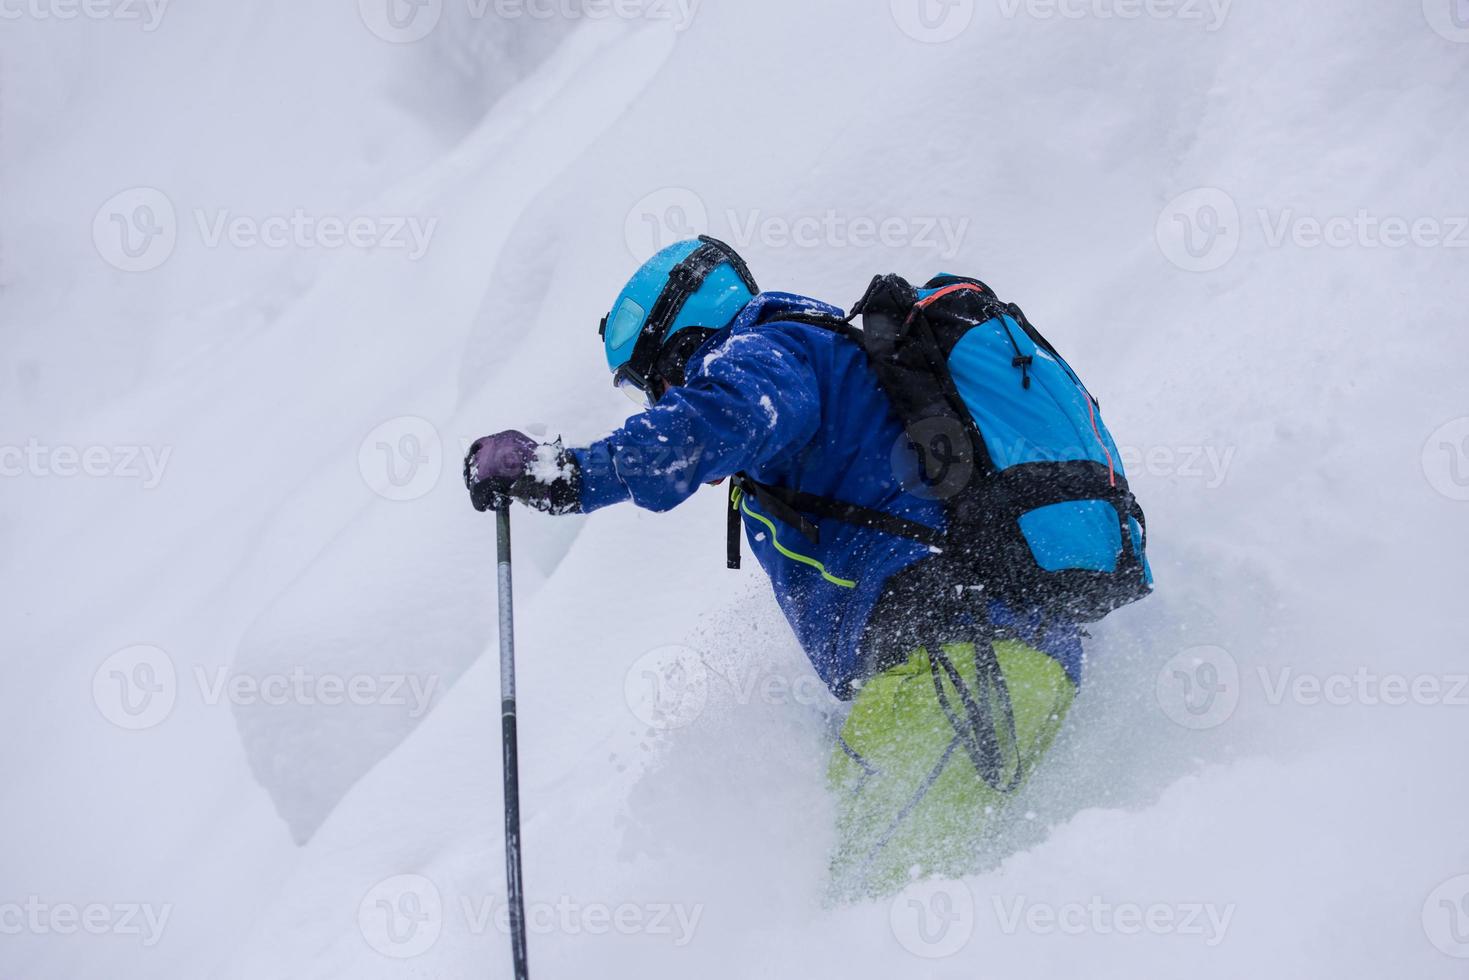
[791, 405]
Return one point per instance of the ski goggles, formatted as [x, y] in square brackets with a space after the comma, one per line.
[631, 383]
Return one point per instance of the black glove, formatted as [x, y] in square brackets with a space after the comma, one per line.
[513, 466]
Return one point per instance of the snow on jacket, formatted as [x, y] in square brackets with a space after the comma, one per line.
[791, 405]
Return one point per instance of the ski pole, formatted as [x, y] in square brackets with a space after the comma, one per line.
[513, 883]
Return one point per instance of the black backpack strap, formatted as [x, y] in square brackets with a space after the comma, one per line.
[741, 486]
[773, 501]
[790, 507]
[836, 324]
[867, 517]
[732, 530]
[984, 722]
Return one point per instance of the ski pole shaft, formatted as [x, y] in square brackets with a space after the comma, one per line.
[515, 895]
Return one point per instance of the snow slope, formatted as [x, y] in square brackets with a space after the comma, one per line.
[1287, 410]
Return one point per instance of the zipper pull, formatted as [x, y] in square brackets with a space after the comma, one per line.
[1023, 363]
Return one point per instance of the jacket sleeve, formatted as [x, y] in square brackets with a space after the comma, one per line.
[750, 400]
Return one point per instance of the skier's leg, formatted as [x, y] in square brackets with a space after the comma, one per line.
[908, 791]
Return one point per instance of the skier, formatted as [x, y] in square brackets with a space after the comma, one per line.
[955, 698]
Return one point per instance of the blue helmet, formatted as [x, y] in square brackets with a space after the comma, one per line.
[697, 283]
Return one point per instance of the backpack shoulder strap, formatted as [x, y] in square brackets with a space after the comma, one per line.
[884, 308]
[836, 324]
[791, 507]
[797, 501]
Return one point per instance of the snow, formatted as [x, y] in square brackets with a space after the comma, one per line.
[252, 699]
[728, 344]
[550, 463]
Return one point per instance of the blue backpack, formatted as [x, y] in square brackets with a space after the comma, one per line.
[1005, 433]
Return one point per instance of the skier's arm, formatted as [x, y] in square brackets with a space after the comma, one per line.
[750, 401]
